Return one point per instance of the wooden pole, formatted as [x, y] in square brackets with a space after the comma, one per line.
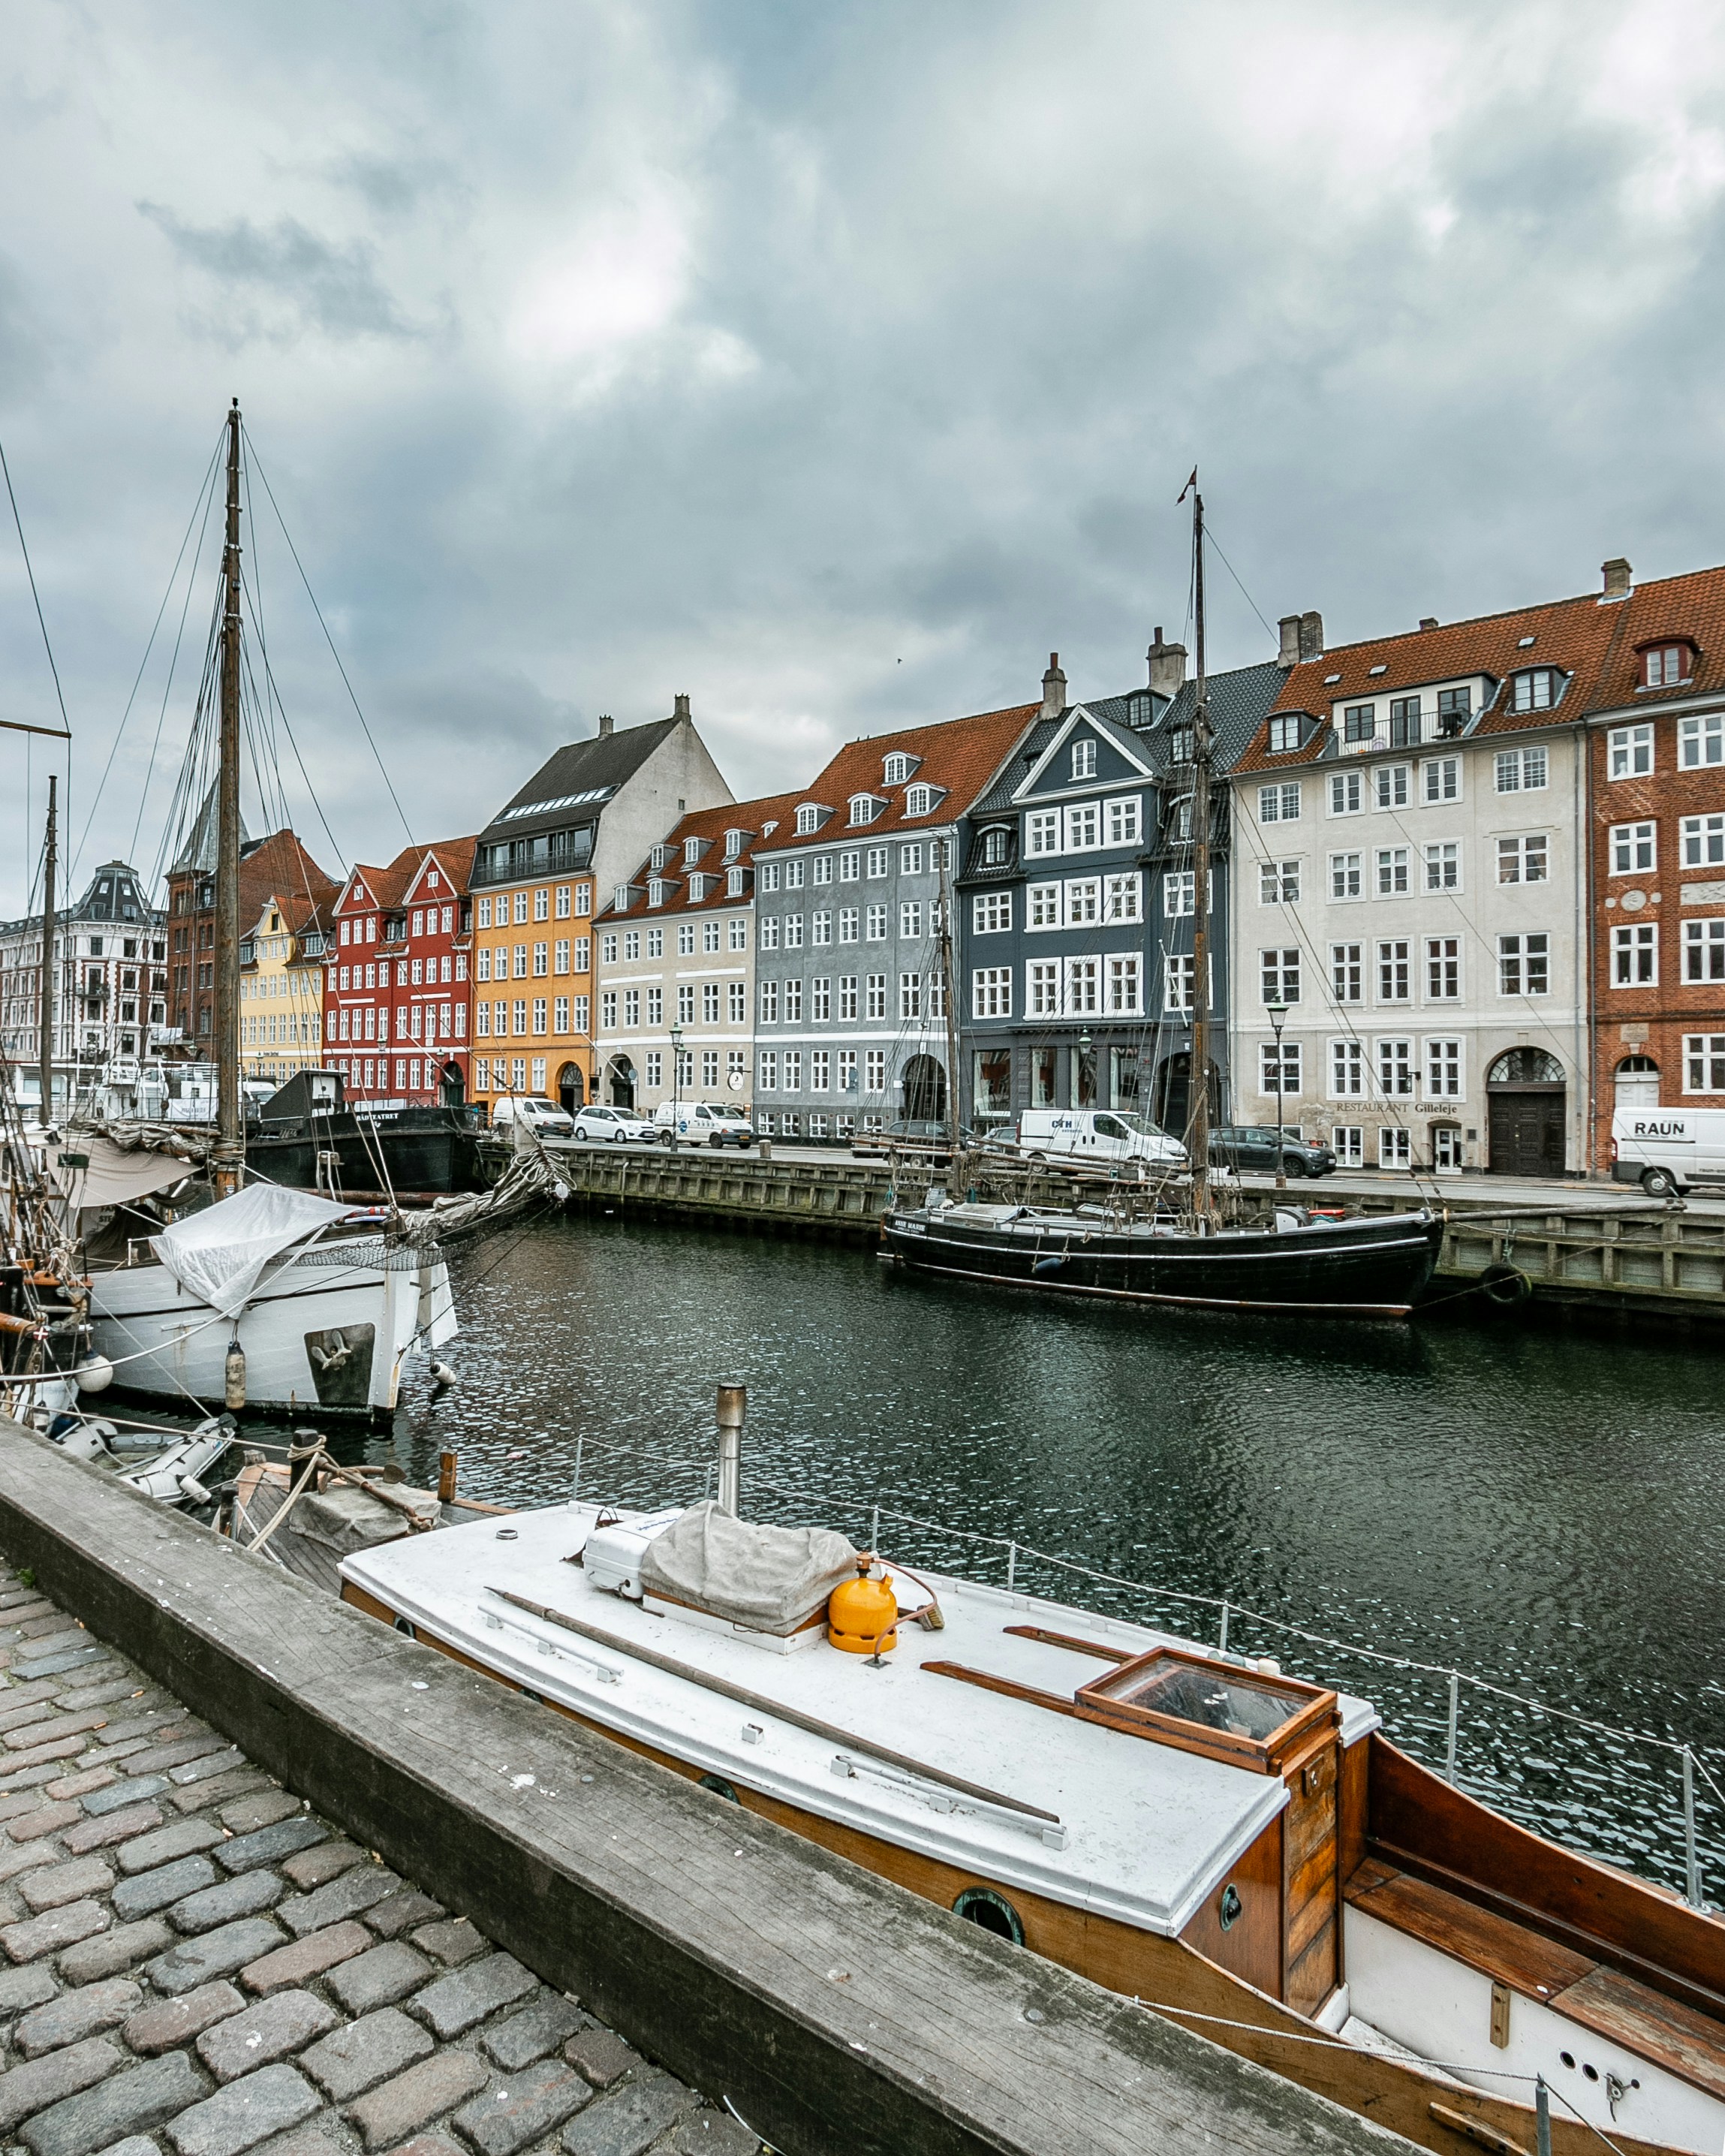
[446, 1478]
[46, 1044]
[225, 1162]
[1198, 1124]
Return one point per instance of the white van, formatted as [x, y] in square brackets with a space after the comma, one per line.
[1667, 1149]
[1084, 1134]
[704, 1122]
[542, 1116]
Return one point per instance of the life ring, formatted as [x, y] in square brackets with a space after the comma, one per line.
[1505, 1286]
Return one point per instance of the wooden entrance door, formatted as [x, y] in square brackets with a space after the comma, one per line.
[1527, 1130]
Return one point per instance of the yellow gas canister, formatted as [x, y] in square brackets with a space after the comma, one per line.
[862, 1613]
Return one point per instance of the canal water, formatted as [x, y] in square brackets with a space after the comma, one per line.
[1540, 1511]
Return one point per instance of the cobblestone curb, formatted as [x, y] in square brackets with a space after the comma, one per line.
[192, 1963]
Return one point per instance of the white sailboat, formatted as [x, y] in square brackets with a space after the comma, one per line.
[264, 1299]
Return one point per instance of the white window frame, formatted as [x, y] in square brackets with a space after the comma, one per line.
[1126, 819]
[1701, 742]
[1437, 856]
[991, 912]
[1347, 1069]
[1042, 988]
[1042, 907]
[1388, 864]
[1445, 1068]
[1279, 804]
[1635, 955]
[1627, 842]
[1444, 980]
[1347, 878]
[1347, 972]
[1081, 827]
[1123, 897]
[1042, 833]
[1179, 893]
[1082, 986]
[1392, 787]
[1290, 1059]
[991, 992]
[1702, 841]
[1084, 757]
[1630, 752]
[1704, 1063]
[1348, 793]
[1704, 951]
[1397, 1067]
[1123, 983]
[1279, 883]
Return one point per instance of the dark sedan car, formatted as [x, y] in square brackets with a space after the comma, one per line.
[1259, 1149]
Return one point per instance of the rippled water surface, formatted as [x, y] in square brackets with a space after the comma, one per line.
[1540, 1510]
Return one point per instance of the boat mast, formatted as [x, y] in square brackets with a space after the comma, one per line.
[225, 1162]
[49, 857]
[1198, 1126]
[949, 998]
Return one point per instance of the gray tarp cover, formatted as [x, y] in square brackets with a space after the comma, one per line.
[769, 1578]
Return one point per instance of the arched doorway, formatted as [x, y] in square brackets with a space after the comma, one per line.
[572, 1087]
[452, 1085]
[1637, 1082]
[622, 1076]
[1172, 1106]
[925, 1084]
[1525, 1096]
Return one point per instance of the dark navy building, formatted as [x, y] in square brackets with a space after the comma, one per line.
[1075, 915]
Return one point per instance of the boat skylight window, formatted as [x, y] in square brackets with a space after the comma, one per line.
[1248, 1716]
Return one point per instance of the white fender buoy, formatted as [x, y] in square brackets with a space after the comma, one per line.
[94, 1374]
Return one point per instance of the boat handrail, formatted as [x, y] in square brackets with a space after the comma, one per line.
[1690, 1758]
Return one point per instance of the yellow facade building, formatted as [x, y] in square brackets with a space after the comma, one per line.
[281, 994]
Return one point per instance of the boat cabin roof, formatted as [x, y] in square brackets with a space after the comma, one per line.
[1095, 1816]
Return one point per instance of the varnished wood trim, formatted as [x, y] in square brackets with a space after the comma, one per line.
[1068, 1640]
[1009, 1687]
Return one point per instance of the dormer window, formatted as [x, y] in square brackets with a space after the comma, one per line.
[810, 816]
[1084, 757]
[1666, 666]
[865, 808]
[920, 800]
[620, 898]
[659, 856]
[698, 886]
[735, 841]
[656, 890]
[1359, 721]
[693, 849]
[1182, 744]
[1536, 690]
[898, 767]
[1454, 708]
[996, 845]
[736, 883]
[1284, 732]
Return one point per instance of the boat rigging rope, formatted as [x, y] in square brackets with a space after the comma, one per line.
[1360, 2050]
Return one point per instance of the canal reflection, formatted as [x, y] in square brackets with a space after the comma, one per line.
[1538, 1509]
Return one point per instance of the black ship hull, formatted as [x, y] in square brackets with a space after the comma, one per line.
[1357, 1268]
[417, 1151]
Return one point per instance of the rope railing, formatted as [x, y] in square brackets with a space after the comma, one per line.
[1690, 1761]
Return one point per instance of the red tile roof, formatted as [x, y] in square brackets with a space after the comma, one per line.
[1592, 640]
[711, 824]
[389, 885]
[279, 867]
[959, 755]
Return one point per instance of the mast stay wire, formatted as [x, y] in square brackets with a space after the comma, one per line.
[175, 807]
[149, 646]
[365, 728]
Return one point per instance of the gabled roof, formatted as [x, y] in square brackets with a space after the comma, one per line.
[198, 855]
[573, 785]
[280, 867]
[1053, 734]
[1668, 609]
[454, 857]
[710, 823]
[957, 756]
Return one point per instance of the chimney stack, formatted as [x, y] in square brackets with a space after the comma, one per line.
[1428, 621]
[1289, 628]
[1054, 688]
[682, 708]
[604, 725]
[1616, 574]
[1312, 635]
[1168, 667]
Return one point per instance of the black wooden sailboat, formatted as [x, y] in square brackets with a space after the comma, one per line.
[1174, 1244]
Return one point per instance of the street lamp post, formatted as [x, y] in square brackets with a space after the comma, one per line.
[1277, 1014]
[676, 1042]
[1084, 1053]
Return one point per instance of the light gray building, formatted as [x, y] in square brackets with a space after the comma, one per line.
[111, 988]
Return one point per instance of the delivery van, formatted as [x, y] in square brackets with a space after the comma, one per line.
[1096, 1134]
[1668, 1149]
[703, 1123]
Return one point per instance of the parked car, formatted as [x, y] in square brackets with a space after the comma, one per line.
[922, 1133]
[703, 1123]
[1082, 1135]
[1261, 1149]
[541, 1115]
[1667, 1150]
[621, 1126]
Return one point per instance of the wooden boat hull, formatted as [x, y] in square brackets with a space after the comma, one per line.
[423, 1151]
[1187, 1979]
[1357, 1268]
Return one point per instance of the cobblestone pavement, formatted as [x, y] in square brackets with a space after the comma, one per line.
[195, 1964]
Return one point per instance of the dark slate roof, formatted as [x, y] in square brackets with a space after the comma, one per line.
[574, 785]
[124, 887]
[1239, 703]
[197, 856]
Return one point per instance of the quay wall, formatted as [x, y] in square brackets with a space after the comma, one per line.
[836, 2011]
[1640, 1263]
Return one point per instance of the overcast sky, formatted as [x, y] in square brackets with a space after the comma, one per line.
[833, 364]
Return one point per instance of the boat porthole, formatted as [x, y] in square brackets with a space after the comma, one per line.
[981, 1905]
[538, 1698]
[1590, 2073]
[1569, 2059]
[403, 1625]
[1229, 1907]
[719, 1787]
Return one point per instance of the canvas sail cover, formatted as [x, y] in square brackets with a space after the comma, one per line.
[219, 1254]
[770, 1578]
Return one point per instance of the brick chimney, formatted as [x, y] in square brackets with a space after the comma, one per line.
[1616, 574]
[1428, 621]
[1312, 635]
[1288, 627]
[1168, 667]
[681, 710]
[604, 725]
[1054, 688]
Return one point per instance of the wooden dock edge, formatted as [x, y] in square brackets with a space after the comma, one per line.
[837, 2011]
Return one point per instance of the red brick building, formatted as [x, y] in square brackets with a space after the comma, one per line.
[1656, 915]
[397, 993]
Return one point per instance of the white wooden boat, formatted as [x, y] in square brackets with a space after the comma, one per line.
[1257, 1858]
